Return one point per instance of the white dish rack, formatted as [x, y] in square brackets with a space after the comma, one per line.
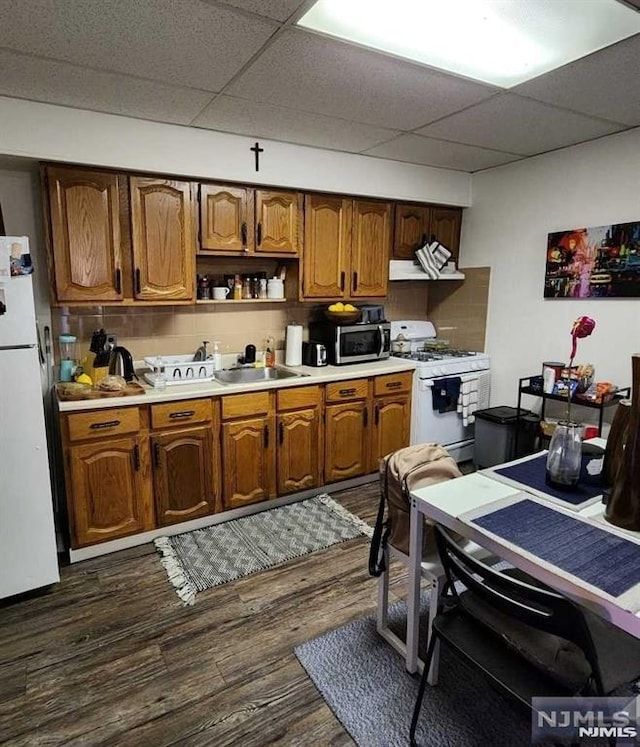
[179, 369]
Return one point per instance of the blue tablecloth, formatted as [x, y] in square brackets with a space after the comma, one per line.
[606, 561]
[532, 474]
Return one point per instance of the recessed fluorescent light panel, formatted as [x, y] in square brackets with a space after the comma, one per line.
[503, 42]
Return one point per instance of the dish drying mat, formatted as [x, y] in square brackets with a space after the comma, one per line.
[600, 558]
[530, 475]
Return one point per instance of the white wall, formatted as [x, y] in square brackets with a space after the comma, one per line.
[56, 133]
[514, 208]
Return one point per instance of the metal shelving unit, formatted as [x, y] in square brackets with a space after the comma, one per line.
[524, 387]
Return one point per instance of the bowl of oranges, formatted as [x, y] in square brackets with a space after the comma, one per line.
[342, 313]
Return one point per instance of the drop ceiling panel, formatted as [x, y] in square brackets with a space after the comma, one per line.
[279, 10]
[314, 73]
[244, 117]
[431, 152]
[605, 84]
[60, 83]
[174, 41]
[511, 123]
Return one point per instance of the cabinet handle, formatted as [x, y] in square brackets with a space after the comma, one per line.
[393, 384]
[138, 283]
[347, 392]
[243, 234]
[266, 436]
[156, 454]
[377, 417]
[183, 414]
[355, 282]
[342, 280]
[136, 458]
[105, 424]
[365, 417]
[281, 434]
[118, 281]
[423, 241]
[259, 234]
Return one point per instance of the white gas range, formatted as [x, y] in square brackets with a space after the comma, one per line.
[449, 386]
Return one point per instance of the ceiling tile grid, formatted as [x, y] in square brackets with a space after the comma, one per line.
[240, 66]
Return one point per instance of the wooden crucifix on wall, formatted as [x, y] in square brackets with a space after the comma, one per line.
[257, 150]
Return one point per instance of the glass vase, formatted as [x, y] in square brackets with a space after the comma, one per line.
[565, 456]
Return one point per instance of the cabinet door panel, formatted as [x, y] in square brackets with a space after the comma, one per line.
[226, 219]
[370, 248]
[85, 233]
[248, 458]
[278, 217]
[412, 224]
[346, 431]
[163, 239]
[445, 228]
[298, 457]
[391, 423]
[327, 240]
[183, 465]
[107, 491]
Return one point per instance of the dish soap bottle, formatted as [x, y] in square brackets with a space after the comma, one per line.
[270, 353]
[216, 356]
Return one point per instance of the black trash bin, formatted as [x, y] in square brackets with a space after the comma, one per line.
[495, 435]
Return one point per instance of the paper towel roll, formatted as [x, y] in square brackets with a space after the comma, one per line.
[293, 355]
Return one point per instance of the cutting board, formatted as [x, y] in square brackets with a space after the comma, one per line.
[132, 389]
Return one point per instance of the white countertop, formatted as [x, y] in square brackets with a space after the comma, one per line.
[309, 375]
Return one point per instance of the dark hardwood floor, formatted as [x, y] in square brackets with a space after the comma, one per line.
[110, 656]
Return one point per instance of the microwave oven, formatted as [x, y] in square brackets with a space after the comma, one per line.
[353, 343]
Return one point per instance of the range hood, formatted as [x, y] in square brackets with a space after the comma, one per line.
[407, 269]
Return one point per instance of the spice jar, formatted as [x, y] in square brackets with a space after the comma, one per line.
[262, 289]
[203, 287]
[246, 289]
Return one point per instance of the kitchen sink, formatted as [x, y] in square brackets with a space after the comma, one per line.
[252, 375]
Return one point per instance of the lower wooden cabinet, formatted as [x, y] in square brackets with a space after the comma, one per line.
[183, 475]
[248, 455]
[346, 437]
[134, 468]
[109, 491]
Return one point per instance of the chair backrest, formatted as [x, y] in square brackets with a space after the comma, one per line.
[540, 608]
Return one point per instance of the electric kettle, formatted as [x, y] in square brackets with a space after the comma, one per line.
[121, 364]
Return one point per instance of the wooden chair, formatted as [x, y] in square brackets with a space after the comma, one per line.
[527, 639]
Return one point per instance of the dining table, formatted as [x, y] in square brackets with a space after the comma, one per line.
[560, 538]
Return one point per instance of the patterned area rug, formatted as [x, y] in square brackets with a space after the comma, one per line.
[204, 558]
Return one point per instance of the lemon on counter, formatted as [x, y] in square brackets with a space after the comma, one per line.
[337, 306]
[84, 379]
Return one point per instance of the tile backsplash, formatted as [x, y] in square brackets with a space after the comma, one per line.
[169, 330]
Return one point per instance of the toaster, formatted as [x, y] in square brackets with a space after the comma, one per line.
[314, 353]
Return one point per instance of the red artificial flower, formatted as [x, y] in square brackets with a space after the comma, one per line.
[582, 327]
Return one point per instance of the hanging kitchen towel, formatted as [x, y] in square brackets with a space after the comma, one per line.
[468, 400]
[445, 393]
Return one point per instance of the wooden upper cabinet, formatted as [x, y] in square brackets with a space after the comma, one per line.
[162, 221]
[412, 228]
[85, 234]
[278, 216]
[370, 243]
[226, 218]
[445, 228]
[327, 241]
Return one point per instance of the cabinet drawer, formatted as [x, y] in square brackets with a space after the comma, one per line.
[340, 391]
[244, 405]
[185, 412]
[298, 397]
[103, 423]
[391, 383]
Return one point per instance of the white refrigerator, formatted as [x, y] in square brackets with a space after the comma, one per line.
[28, 554]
